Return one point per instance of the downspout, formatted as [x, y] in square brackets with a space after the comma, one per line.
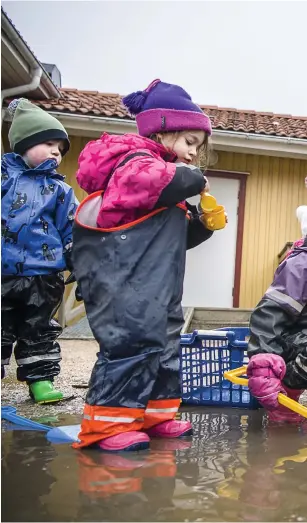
[21, 89]
[12, 91]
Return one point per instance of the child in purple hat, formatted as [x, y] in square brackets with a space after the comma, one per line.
[130, 239]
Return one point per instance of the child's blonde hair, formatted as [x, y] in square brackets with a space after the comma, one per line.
[203, 155]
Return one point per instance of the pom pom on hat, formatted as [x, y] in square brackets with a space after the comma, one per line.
[11, 109]
[135, 101]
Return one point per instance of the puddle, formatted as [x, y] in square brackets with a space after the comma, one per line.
[235, 469]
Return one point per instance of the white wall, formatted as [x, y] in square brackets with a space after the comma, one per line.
[210, 267]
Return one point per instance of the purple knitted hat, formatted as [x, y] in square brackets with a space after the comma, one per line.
[165, 107]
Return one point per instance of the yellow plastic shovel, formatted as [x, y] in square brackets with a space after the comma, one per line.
[234, 377]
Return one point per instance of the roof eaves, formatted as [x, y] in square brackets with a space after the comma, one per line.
[26, 52]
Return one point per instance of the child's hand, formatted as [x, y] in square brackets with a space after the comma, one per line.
[265, 373]
[207, 186]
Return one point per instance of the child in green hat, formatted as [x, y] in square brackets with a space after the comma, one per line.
[37, 215]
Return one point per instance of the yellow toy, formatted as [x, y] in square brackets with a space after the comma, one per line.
[231, 487]
[300, 457]
[214, 216]
[233, 376]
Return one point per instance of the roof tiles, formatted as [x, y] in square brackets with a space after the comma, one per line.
[94, 103]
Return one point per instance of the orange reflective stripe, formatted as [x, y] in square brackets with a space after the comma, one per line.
[96, 487]
[161, 405]
[158, 411]
[168, 409]
[161, 464]
[98, 480]
[102, 422]
[160, 470]
[94, 411]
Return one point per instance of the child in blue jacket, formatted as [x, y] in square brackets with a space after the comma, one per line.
[37, 214]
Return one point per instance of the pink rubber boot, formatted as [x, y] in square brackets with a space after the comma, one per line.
[119, 462]
[284, 415]
[171, 429]
[125, 442]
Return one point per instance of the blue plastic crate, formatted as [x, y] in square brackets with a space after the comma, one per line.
[241, 333]
[205, 356]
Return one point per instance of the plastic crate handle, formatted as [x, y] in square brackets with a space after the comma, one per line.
[234, 377]
[219, 334]
[239, 344]
[188, 339]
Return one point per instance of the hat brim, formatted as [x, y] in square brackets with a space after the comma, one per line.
[41, 137]
[165, 120]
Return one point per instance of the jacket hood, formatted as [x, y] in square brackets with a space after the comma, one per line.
[107, 152]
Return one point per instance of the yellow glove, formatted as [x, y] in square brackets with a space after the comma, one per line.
[216, 219]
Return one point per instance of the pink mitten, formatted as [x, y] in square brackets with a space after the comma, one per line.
[265, 373]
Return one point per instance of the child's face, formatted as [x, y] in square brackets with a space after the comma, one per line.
[51, 150]
[185, 144]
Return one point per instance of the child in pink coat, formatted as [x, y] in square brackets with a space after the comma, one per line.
[130, 239]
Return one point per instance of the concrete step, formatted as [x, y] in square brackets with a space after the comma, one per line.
[218, 314]
[79, 331]
[195, 319]
[205, 318]
[82, 331]
[200, 325]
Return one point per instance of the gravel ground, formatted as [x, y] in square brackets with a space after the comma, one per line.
[78, 359]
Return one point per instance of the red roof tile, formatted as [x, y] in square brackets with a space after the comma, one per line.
[86, 102]
[98, 104]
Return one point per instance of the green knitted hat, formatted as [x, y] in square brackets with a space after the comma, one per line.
[32, 126]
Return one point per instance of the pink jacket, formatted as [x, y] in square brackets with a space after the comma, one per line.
[132, 189]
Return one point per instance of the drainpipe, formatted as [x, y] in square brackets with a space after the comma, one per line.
[21, 89]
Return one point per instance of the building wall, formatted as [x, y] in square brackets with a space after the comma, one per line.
[275, 188]
[69, 164]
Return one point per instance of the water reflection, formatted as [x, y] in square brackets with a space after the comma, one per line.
[236, 468]
[141, 486]
[26, 476]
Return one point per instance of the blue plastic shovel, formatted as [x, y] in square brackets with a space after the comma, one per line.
[64, 434]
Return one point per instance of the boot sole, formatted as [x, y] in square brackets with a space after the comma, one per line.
[47, 401]
[43, 402]
[186, 434]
